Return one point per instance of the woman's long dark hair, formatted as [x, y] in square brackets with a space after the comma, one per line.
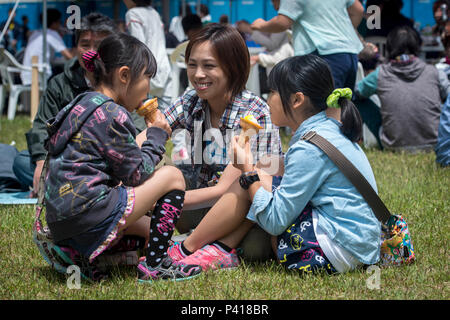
[311, 75]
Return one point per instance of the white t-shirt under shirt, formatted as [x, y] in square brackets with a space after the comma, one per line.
[55, 44]
[341, 259]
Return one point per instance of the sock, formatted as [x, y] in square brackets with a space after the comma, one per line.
[185, 251]
[222, 245]
[165, 216]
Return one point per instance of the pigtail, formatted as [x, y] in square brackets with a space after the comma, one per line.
[350, 117]
[351, 120]
[99, 70]
[94, 64]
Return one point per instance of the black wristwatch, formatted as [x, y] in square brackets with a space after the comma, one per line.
[247, 178]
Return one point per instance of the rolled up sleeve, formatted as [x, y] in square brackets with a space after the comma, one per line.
[368, 85]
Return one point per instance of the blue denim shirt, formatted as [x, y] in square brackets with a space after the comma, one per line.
[310, 176]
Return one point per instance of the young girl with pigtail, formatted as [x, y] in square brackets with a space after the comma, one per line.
[319, 220]
[100, 183]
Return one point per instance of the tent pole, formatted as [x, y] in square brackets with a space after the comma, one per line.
[44, 41]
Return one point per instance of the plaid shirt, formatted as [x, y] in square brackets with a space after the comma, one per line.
[208, 149]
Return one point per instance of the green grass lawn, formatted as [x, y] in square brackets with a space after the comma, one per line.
[409, 184]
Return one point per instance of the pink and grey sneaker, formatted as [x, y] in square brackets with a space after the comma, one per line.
[166, 270]
[175, 252]
[212, 257]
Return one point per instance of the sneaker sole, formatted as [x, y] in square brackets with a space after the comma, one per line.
[175, 280]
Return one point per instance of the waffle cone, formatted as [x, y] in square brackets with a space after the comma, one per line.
[148, 109]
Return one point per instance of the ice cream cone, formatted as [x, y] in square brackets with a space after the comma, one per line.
[148, 109]
[247, 123]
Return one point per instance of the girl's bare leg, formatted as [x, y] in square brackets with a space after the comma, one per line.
[235, 237]
[162, 181]
[224, 217]
[226, 220]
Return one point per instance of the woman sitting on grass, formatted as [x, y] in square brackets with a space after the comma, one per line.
[100, 184]
[338, 230]
[218, 65]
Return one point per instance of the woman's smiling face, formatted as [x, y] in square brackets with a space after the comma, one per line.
[205, 73]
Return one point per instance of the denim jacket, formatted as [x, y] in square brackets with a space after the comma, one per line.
[311, 177]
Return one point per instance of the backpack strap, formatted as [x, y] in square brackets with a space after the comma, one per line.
[353, 175]
[41, 193]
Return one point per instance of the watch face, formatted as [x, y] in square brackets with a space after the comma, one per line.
[243, 182]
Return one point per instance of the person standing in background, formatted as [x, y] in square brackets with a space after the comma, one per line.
[25, 31]
[175, 24]
[325, 28]
[12, 35]
[55, 44]
[144, 23]
[204, 14]
[276, 44]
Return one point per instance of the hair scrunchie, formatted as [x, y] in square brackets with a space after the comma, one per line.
[333, 98]
[88, 59]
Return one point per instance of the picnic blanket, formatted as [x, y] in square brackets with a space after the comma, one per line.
[11, 191]
[17, 198]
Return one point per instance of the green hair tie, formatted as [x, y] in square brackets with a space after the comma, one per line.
[333, 98]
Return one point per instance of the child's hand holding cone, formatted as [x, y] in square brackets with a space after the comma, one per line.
[249, 127]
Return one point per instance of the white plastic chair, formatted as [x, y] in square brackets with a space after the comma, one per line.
[8, 67]
[176, 58]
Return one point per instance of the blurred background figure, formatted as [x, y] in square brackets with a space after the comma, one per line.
[204, 14]
[12, 35]
[144, 23]
[369, 57]
[391, 17]
[277, 45]
[121, 26]
[326, 28]
[191, 23]
[55, 44]
[444, 62]
[171, 40]
[224, 19]
[25, 31]
[441, 12]
[411, 92]
[175, 24]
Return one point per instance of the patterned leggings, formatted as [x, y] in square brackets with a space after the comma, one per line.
[165, 216]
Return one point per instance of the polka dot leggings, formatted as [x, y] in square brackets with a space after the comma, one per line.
[165, 216]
